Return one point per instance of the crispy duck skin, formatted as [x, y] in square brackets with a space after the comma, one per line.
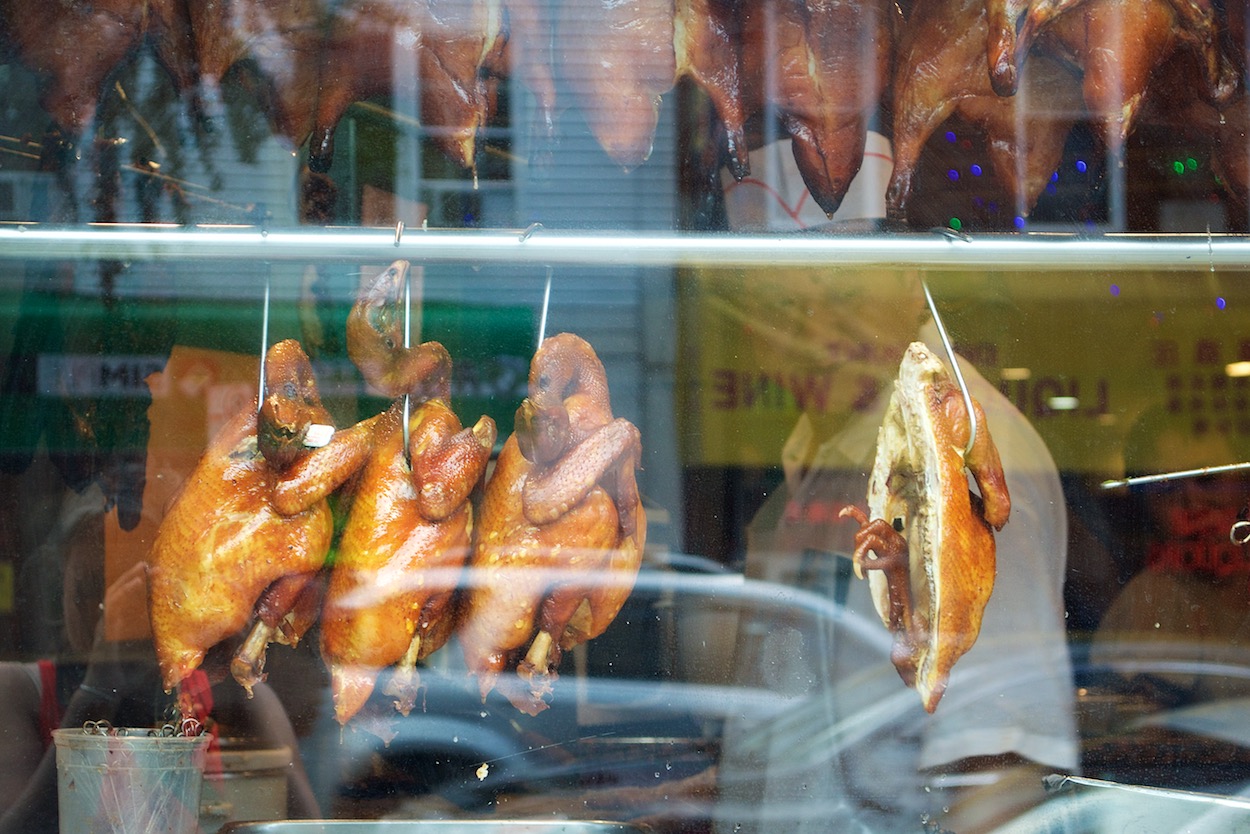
[927, 541]
[1122, 47]
[822, 65]
[278, 41]
[527, 54]
[224, 540]
[401, 555]
[430, 51]
[1232, 122]
[73, 47]
[939, 73]
[1002, 44]
[561, 529]
[707, 48]
[618, 59]
[1014, 26]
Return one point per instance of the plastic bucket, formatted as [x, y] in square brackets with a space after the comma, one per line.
[128, 783]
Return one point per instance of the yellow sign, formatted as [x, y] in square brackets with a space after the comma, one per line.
[1081, 355]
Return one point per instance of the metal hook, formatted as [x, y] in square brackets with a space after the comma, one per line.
[959, 377]
[1240, 533]
[952, 234]
[542, 321]
[530, 230]
[1210, 251]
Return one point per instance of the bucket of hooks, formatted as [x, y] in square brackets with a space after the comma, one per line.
[128, 781]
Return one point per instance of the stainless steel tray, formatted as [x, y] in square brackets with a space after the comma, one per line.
[431, 827]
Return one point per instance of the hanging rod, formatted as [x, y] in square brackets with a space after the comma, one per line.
[1038, 251]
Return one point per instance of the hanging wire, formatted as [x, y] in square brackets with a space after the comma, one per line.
[542, 320]
[264, 346]
[959, 377]
[399, 233]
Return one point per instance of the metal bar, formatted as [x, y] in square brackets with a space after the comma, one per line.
[1056, 782]
[545, 247]
[1175, 476]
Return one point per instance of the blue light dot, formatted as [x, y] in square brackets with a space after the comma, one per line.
[1081, 166]
[950, 136]
[1115, 290]
[1051, 188]
[1220, 303]
[1054, 177]
[953, 174]
[978, 201]
[976, 170]
[1019, 221]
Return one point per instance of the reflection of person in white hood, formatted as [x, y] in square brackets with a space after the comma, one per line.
[1007, 718]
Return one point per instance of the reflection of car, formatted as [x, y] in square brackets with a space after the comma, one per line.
[620, 709]
[740, 698]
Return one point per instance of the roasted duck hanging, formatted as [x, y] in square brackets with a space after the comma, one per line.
[927, 541]
[940, 74]
[621, 56]
[73, 48]
[278, 43]
[249, 530]
[561, 531]
[429, 52]
[820, 67]
[390, 600]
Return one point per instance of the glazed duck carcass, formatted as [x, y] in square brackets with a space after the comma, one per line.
[431, 52]
[620, 58]
[1013, 28]
[407, 536]
[821, 66]
[707, 43]
[527, 55]
[249, 530]
[279, 42]
[927, 540]
[73, 47]
[1122, 48]
[561, 531]
[940, 73]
